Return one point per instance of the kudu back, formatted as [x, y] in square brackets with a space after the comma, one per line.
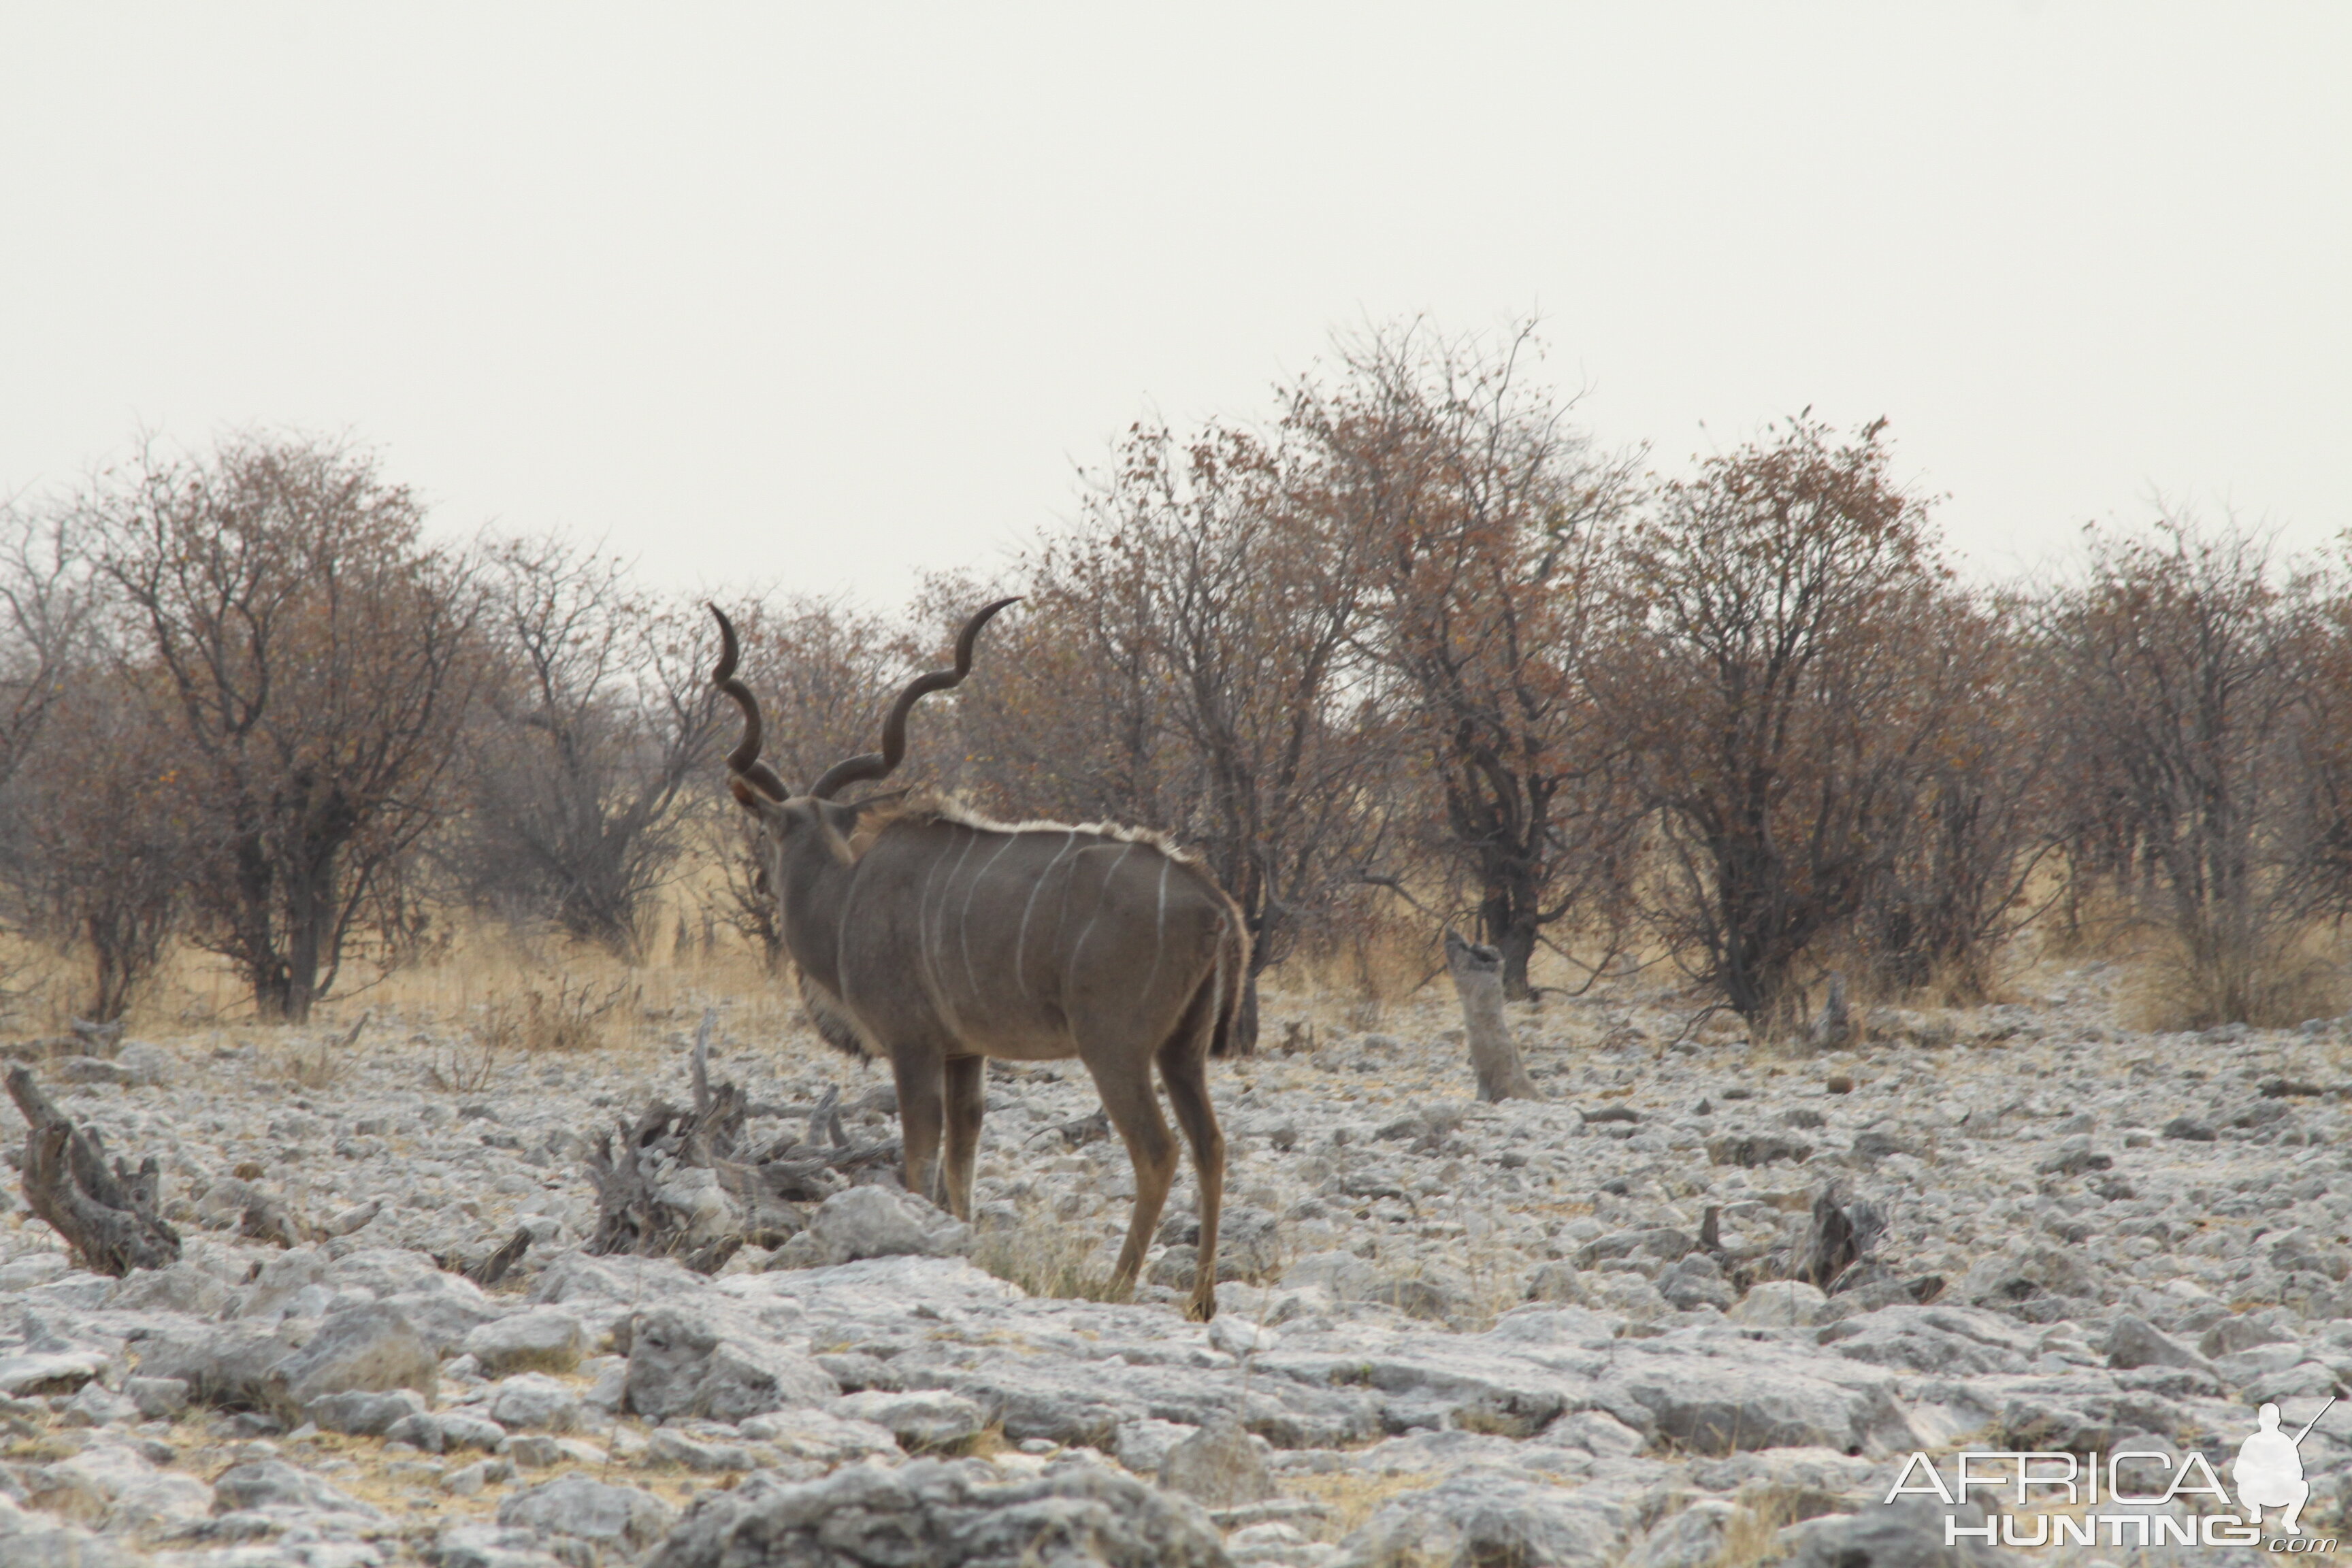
[934, 939]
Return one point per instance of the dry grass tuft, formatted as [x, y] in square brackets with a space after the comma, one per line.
[984, 1444]
[562, 996]
[1375, 956]
[1353, 1496]
[1495, 1280]
[2092, 919]
[319, 1067]
[467, 1066]
[1046, 1256]
[557, 1011]
[2270, 985]
[1752, 1536]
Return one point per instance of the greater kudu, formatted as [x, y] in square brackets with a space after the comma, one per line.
[934, 939]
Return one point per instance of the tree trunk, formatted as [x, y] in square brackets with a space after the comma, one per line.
[309, 910]
[1519, 950]
[1507, 916]
[1493, 1054]
[108, 949]
[252, 937]
[1743, 965]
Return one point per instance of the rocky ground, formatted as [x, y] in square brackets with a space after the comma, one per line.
[1525, 1332]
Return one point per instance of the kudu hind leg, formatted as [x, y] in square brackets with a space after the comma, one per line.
[1182, 1067]
[967, 1099]
[1152, 1148]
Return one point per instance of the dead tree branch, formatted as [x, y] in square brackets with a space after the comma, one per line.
[108, 1215]
[642, 1172]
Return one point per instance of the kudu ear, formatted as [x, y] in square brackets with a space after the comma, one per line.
[749, 796]
[838, 822]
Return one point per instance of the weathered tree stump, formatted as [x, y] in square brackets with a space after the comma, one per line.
[1493, 1054]
[635, 1169]
[107, 1216]
[1843, 1231]
[1834, 1029]
[634, 1213]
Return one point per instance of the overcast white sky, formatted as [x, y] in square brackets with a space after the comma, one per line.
[826, 297]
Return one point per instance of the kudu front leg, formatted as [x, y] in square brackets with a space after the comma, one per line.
[967, 1100]
[921, 1108]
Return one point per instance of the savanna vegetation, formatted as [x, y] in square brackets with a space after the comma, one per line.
[1408, 650]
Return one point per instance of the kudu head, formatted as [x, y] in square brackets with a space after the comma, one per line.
[760, 791]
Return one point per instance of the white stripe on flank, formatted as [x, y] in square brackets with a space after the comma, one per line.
[927, 922]
[1070, 975]
[1069, 885]
[1160, 931]
[934, 923]
[1021, 943]
[963, 920]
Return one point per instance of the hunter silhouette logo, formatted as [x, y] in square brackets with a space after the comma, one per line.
[2061, 1499]
[2269, 1471]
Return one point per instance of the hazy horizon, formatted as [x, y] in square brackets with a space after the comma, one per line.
[829, 299]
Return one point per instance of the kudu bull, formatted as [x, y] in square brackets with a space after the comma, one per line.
[934, 939]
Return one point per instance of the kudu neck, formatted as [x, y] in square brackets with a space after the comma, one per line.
[815, 885]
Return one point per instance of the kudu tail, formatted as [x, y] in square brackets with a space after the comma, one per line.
[1232, 981]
